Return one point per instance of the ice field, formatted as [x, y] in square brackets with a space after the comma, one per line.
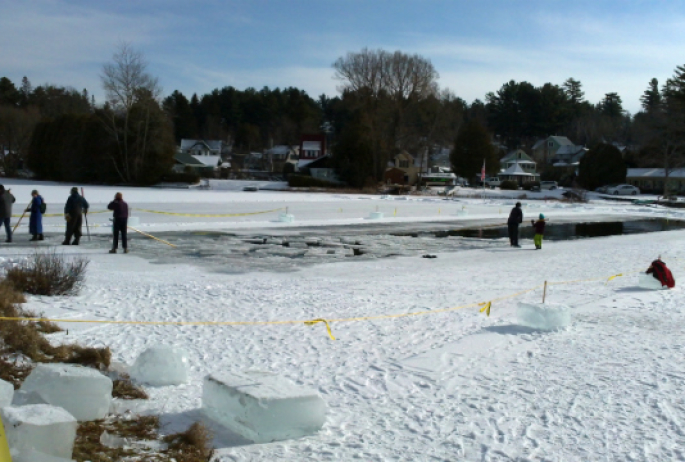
[441, 385]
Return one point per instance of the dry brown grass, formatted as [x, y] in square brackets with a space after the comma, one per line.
[14, 372]
[49, 273]
[192, 445]
[26, 338]
[125, 389]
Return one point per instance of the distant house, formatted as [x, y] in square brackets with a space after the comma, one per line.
[518, 166]
[212, 154]
[568, 156]
[405, 163]
[544, 150]
[278, 156]
[322, 169]
[312, 147]
[186, 162]
[652, 179]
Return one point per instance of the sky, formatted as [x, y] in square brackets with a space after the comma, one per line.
[475, 46]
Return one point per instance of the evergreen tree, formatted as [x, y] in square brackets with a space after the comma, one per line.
[574, 92]
[471, 148]
[651, 98]
[601, 165]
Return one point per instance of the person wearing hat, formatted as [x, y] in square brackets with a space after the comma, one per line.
[515, 218]
[36, 219]
[120, 221]
[74, 209]
[539, 231]
[6, 201]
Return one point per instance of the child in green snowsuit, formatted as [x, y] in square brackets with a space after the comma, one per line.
[539, 231]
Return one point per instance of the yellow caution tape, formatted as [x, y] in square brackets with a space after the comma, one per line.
[151, 236]
[484, 307]
[316, 321]
[60, 215]
[208, 215]
[5, 455]
[614, 277]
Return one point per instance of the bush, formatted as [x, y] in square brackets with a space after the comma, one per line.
[532, 186]
[510, 185]
[48, 274]
[301, 181]
[185, 177]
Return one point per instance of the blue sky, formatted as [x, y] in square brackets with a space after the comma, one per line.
[475, 45]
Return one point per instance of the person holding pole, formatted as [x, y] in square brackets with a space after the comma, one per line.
[74, 210]
[6, 201]
[36, 219]
[120, 222]
[515, 219]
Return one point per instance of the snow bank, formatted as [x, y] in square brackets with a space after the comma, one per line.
[262, 406]
[541, 316]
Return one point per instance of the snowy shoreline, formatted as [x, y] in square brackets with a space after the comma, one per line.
[449, 385]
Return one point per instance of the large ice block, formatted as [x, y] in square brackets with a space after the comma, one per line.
[549, 316]
[262, 406]
[6, 393]
[36, 456]
[649, 282]
[47, 429]
[161, 365]
[83, 391]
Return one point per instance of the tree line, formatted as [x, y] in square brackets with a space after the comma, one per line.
[388, 102]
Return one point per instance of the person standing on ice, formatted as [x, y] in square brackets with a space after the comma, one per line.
[74, 209]
[36, 219]
[6, 201]
[539, 231]
[120, 222]
[515, 219]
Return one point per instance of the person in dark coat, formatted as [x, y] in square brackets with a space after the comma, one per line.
[120, 222]
[515, 219]
[539, 231]
[74, 209]
[36, 219]
[6, 201]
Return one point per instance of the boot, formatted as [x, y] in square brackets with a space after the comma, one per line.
[125, 250]
[65, 242]
[115, 251]
[75, 242]
[34, 238]
[41, 237]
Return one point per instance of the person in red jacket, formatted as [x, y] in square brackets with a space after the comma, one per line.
[661, 273]
[539, 231]
[120, 209]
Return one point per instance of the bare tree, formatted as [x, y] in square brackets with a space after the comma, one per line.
[389, 84]
[126, 82]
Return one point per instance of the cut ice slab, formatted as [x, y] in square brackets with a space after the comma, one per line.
[36, 456]
[6, 393]
[649, 282]
[161, 365]
[47, 429]
[262, 406]
[549, 316]
[82, 391]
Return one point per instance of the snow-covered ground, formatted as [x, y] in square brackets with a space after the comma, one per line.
[449, 385]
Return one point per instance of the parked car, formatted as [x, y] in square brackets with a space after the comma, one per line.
[551, 185]
[603, 189]
[623, 190]
[493, 182]
[251, 188]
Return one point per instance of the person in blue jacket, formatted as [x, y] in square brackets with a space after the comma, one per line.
[36, 219]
